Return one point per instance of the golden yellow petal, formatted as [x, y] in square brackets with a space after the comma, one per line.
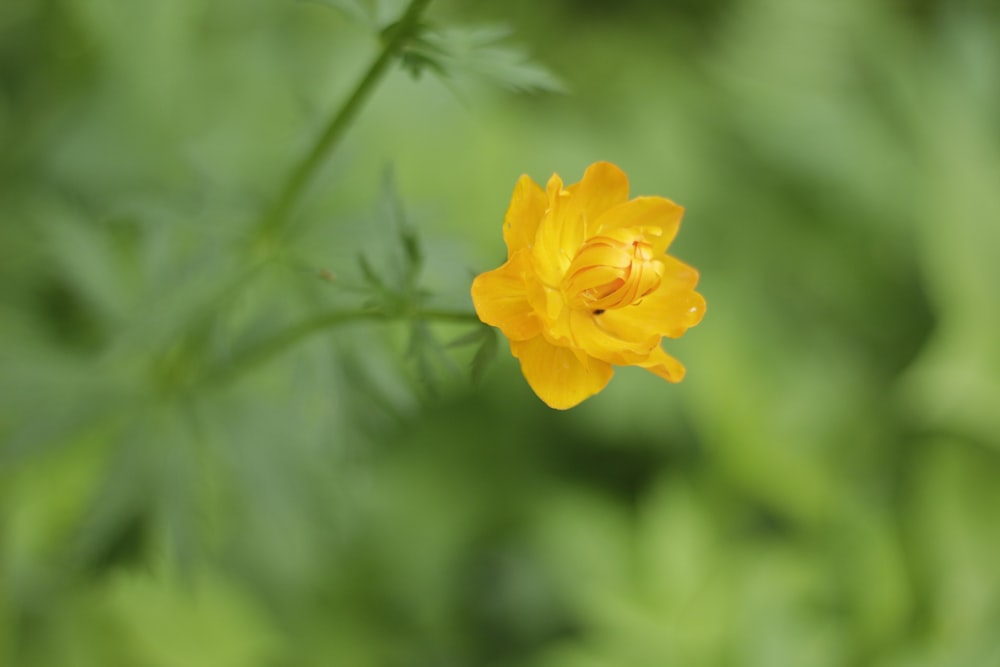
[526, 210]
[501, 298]
[559, 376]
[621, 348]
[662, 364]
[603, 186]
[676, 274]
[658, 216]
[572, 214]
[664, 312]
[554, 187]
[557, 239]
[600, 254]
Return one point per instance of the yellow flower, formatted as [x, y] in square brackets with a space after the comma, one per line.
[588, 284]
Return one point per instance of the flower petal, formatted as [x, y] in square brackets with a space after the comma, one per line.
[677, 275]
[658, 216]
[526, 209]
[572, 214]
[662, 364]
[561, 377]
[621, 346]
[667, 312]
[557, 239]
[603, 186]
[501, 298]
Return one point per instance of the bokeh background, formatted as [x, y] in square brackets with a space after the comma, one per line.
[822, 490]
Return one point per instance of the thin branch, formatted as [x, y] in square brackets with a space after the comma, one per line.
[295, 334]
[334, 131]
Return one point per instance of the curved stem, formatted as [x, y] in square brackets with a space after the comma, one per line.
[306, 169]
[299, 332]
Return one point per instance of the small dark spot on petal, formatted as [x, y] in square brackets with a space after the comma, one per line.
[599, 311]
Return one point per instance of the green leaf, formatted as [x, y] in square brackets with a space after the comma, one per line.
[358, 11]
[481, 53]
[474, 336]
[485, 355]
[369, 273]
[433, 363]
[420, 349]
[412, 257]
[411, 248]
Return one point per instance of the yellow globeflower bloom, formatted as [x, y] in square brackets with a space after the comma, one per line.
[588, 284]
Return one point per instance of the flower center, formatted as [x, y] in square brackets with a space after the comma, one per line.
[612, 270]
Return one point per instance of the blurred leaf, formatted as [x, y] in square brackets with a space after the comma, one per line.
[420, 350]
[406, 235]
[955, 382]
[474, 336]
[429, 355]
[393, 278]
[360, 11]
[369, 273]
[486, 353]
[210, 622]
[481, 53]
[411, 247]
[95, 270]
[486, 339]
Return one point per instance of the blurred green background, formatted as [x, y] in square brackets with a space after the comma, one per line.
[822, 490]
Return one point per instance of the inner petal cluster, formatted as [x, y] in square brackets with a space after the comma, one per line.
[612, 270]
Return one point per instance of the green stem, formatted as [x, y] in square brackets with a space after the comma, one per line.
[304, 172]
[458, 316]
[299, 332]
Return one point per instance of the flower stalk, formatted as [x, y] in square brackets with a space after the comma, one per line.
[288, 338]
[272, 222]
[300, 177]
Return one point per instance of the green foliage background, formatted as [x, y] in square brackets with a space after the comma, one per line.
[175, 490]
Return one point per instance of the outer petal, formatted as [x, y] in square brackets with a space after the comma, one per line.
[677, 274]
[621, 347]
[666, 312]
[603, 186]
[662, 364]
[526, 210]
[572, 215]
[658, 215]
[501, 298]
[557, 238]
[561, 377]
